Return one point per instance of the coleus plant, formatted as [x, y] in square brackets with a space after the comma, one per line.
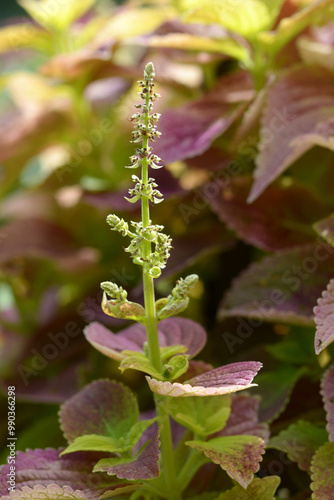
[114, 451]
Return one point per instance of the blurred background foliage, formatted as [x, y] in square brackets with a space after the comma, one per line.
[239, 81]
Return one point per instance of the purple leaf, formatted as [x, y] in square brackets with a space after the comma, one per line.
[172, 331]
[144, 466]
[44, 467]
[325, 228]
[195, 368]
[76, 64]
[298, 116]
[286, 286]
[239, 456]
[190, 248]
[300, 441]
[324, 319]
[322, 473]
[244, 418]
[188, 131]
[23, 135]
[100, 405]
[258, 489]
[223, 380]
[279, 219]
[327, 391]
[49, 390]
[42, 239]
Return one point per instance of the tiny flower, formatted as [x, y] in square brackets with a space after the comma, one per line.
[135, 117]
[155, 117]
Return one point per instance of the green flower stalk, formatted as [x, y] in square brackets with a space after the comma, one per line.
[150, 248]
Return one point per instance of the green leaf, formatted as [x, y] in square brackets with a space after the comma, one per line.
[122, 490]
[176, 366]
[295, 348]
[137, 430]
[138, 361]
[322, 473]
[54, 15]
[51, 492]
[203, 416]
[289, 27]
[300, 441]
[96, 442]
[167, 307]
[239, 456]
[132, 22]
[104, 407]
[25, 35]
[275, 389]
[208, 495]
[144, 466]
[170, 350]
[246, 17]
[258, 489]
[187, 41]
[123, 310]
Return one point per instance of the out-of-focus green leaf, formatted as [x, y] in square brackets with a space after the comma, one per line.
[187, 41]
[133, 22]
[289, 27]
[25, 35]
[57, 15]
[245, 17]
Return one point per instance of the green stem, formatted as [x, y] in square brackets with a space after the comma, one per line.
[149, 296]
[167, 454]
[194, 461]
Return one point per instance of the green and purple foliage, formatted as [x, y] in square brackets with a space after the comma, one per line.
[235, 168]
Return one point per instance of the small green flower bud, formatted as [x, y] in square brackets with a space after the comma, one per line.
[114, 291]
[149, 71]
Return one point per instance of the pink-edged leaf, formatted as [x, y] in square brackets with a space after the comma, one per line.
[239, 456]
[190, 130]
[322, 473]
[42, 239]
[244, 418]
[44, 467]
[280, 218]
[286, 286]
[223, 380]
[258, 489]
[324, 319]
[298, 116]
[50, 492]
[300, 441]
[327, 391]
[325, 228]
[100, 406]
[144, 466]
[172, 331]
